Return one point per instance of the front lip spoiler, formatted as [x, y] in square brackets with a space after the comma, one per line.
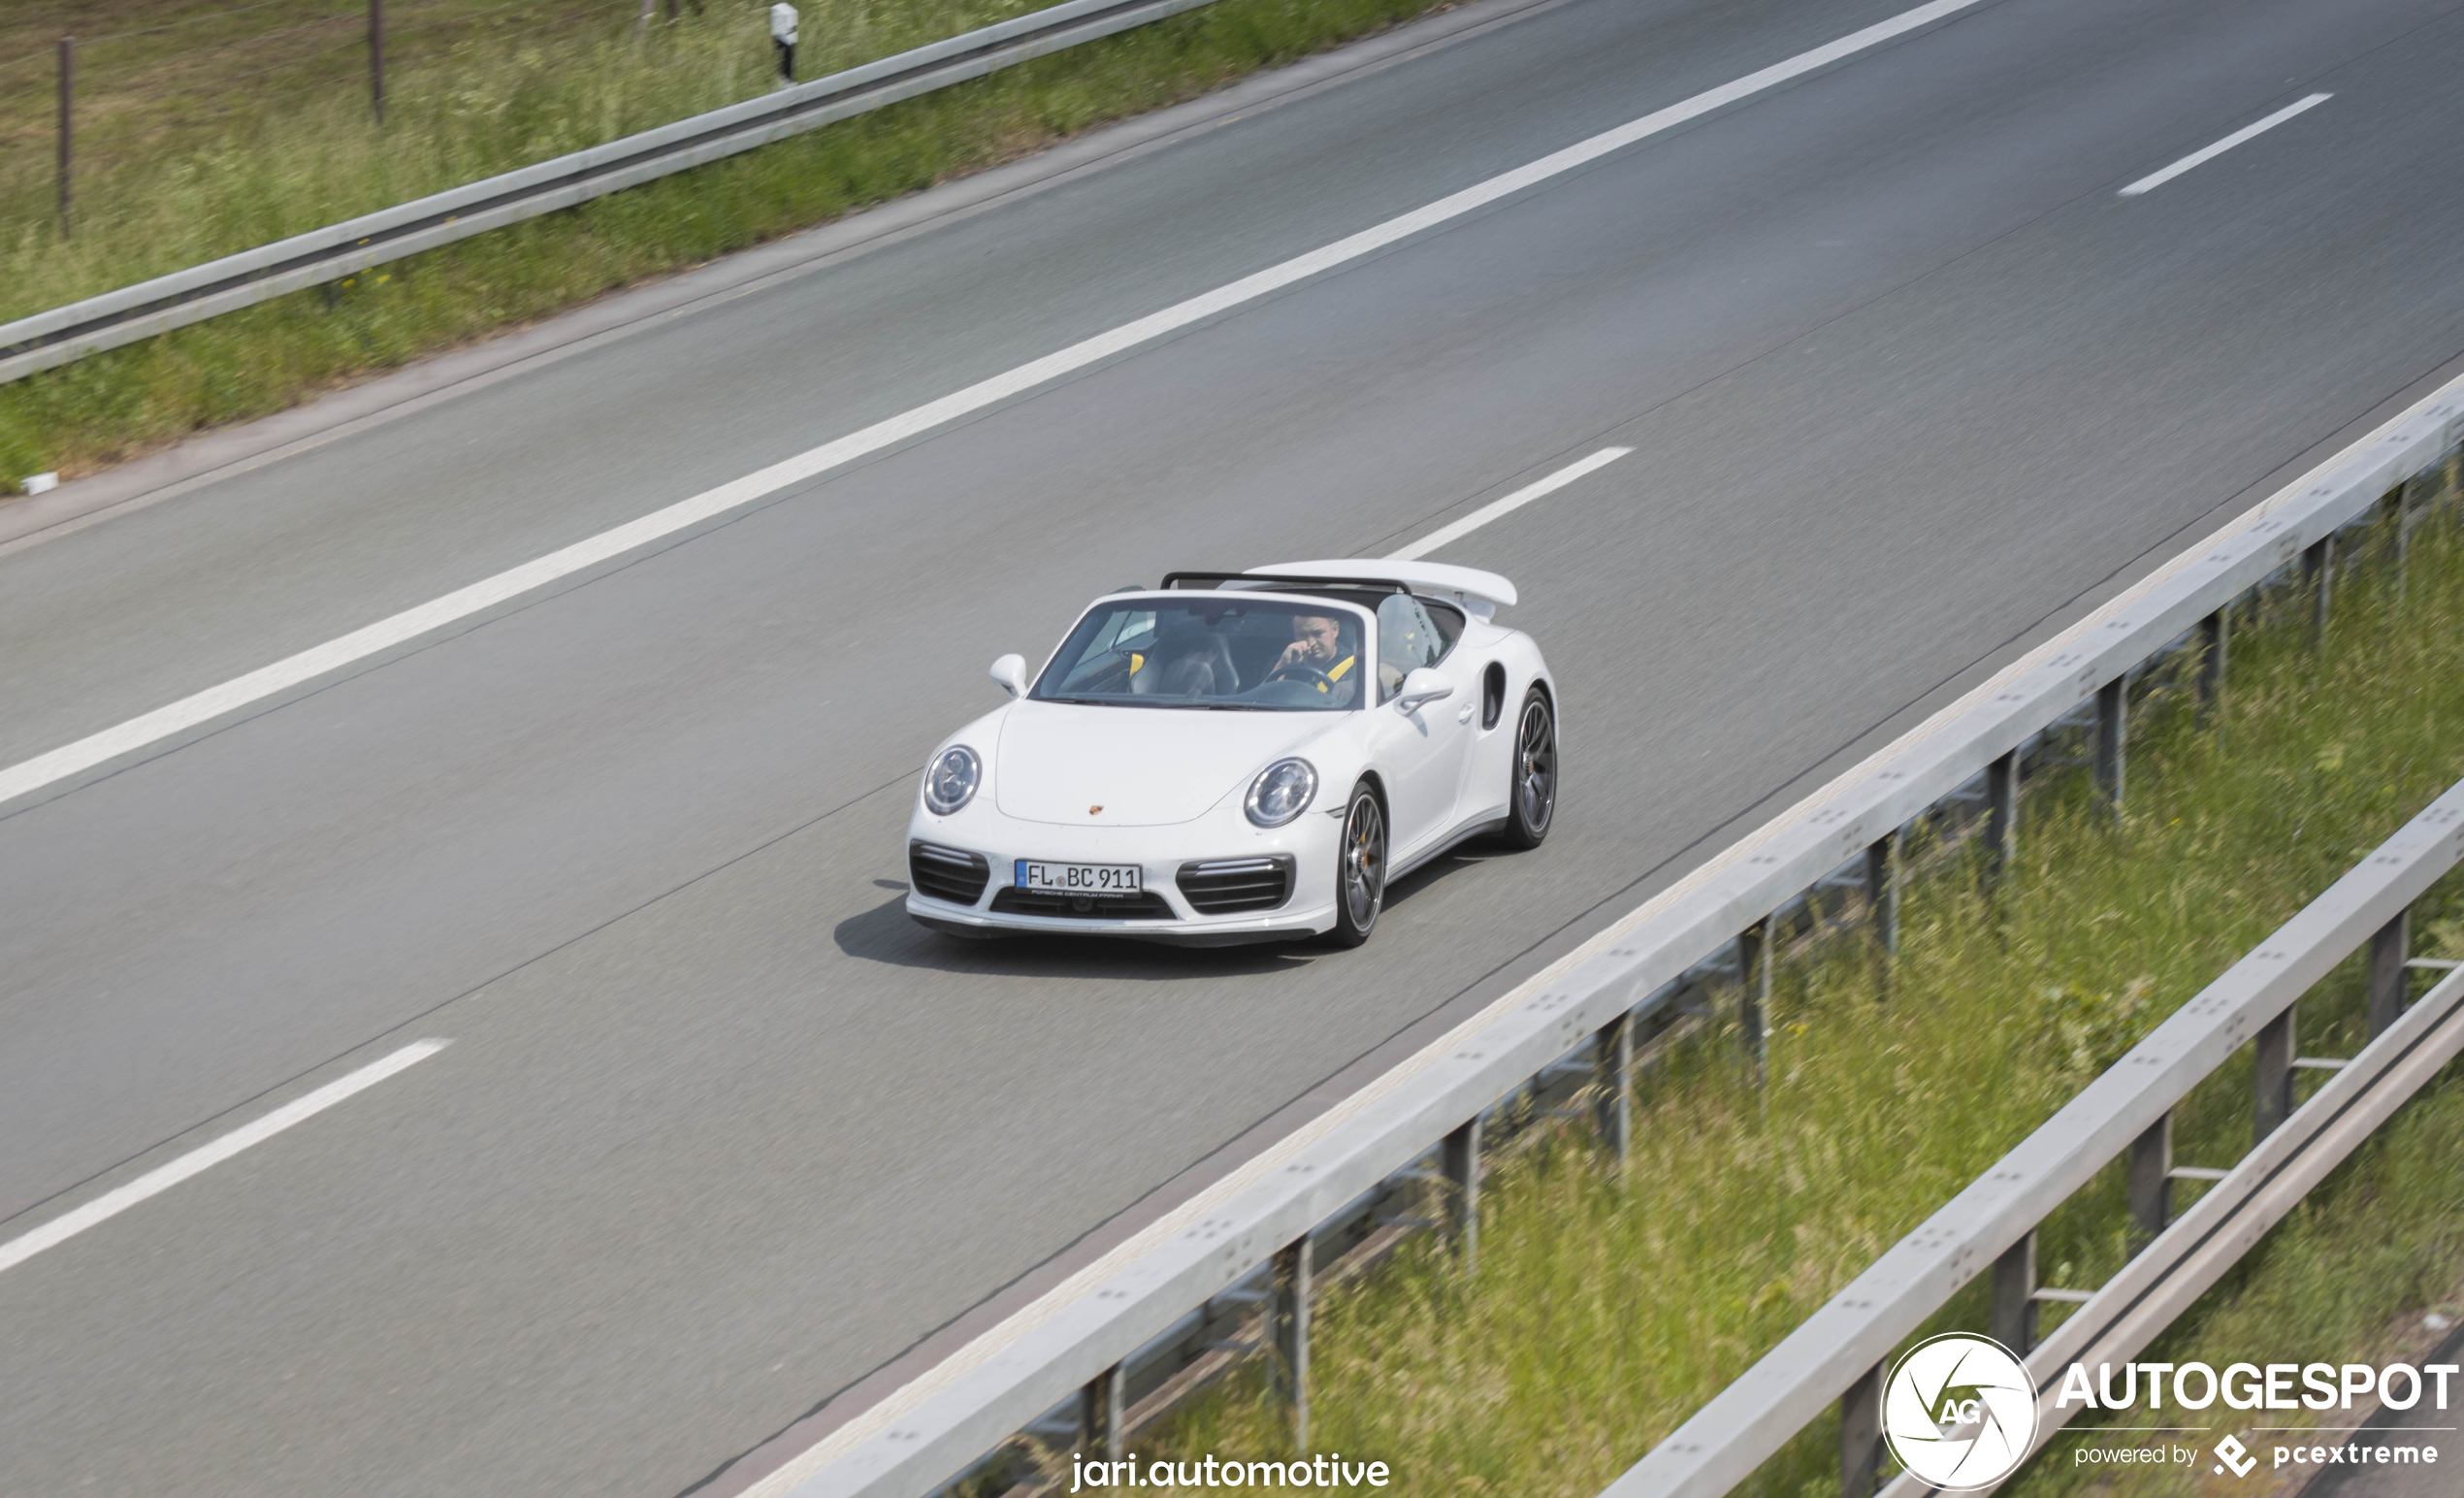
[958, 921]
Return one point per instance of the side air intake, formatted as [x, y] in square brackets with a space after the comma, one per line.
[1229, 886]
[946, 873]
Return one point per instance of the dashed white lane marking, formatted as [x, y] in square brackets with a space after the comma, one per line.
[2156, 179]
[1508, 506]
[183, 720]
[155, 1181]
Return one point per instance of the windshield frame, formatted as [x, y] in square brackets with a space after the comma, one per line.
[1365, 617]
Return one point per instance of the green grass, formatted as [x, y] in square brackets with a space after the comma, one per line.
[179, 195]
[1607, 1308]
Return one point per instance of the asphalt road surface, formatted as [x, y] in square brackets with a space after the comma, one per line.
[718, 1132]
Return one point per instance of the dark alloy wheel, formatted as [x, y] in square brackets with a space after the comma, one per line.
[1531, 804]
[1360, 869]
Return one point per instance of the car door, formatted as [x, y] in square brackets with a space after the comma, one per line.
[1422, 751]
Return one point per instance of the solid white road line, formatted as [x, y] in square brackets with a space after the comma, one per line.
[153, 1182]
[1506, 506]
[192, 716]
[2156, 180]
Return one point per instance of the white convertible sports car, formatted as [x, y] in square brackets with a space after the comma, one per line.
[1240, 757]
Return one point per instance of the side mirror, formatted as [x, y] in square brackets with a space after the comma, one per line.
[1426, 684]
[1011, 672]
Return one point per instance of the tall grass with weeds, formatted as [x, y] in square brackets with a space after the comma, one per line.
[1606, 1306]
[301, 166]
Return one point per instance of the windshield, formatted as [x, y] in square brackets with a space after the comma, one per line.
[1214, 652]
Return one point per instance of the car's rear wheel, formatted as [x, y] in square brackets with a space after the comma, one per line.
[1530, 802]
[1360, 868]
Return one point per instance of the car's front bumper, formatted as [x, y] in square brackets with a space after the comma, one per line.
[1162, 853]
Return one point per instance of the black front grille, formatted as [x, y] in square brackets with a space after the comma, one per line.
[1229, 886]
[946, 873]
[1144, 905]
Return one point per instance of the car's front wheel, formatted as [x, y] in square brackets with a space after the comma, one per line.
[1531, 804]
[1360, 868]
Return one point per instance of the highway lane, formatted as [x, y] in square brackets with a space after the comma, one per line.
[567, 1250]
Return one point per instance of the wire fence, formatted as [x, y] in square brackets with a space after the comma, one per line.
[79, 106]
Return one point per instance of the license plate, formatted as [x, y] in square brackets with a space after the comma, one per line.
[1096, 879]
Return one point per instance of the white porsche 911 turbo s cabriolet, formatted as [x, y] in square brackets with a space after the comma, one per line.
[1240, 757]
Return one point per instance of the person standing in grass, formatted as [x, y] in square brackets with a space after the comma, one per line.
[783, 38]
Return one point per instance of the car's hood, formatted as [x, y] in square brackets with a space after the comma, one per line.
[1135, 766]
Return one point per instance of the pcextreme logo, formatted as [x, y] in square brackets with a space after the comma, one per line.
[2231, 1452]
[1960, 1412]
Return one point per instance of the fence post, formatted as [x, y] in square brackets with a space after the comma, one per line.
[2152, 1180]
[1882, 899]
[1754, 993]
[2014, 1315]
[68, 130]
[1615, 1054]
[2272, 1062]
[1288, 1328]
[377, 57]
[2113, 708]
[2390, 945]
[1460, 1160]
[2001, 813]
[1860, 1436]
[2317, 575]
[1099, 1413]
[2215, 631]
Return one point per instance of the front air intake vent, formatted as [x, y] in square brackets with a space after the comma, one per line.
[1229, 886]
[1144, 905]
[946, 873]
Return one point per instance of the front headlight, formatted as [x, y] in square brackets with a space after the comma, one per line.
[950, 780]
[1281, 792]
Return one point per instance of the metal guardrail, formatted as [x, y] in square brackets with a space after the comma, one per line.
[65, 333]
[1839, 1354]
[1255, 1227]
[2131, 1308]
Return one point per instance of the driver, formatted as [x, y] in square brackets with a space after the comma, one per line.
[1317, 650]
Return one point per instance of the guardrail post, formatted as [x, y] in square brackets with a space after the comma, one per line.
[1287, 1326]
[2318, 575]
[2014, 1316]
[1754, 993]
[1099, 1413]
[2113, 708]
[2152, 1180]
[1860, 1436]
[2272, 1061]
[2390, 945]
[1882, 899]
[2001, 813]
[1460, 1160]
[2403, 527]
[2215, 632]
[1614, 1053]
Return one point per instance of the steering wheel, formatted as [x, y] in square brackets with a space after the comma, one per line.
[1304, 672]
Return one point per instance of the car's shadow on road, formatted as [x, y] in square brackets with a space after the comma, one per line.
[886, 933]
